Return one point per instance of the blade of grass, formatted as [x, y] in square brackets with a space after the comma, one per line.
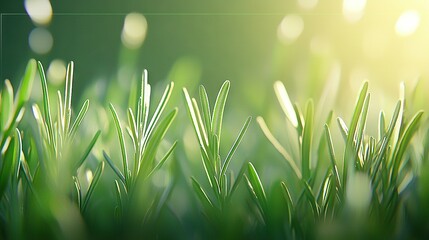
[161, 105]
[219, 109]
[332, 157]
[154, 141]
[205, 106]
[6, 106]
[121, 141]
[114, 168]
[235, 146]
[88, 149]
[92, 186]
[24, 90]
[285, 103]
[256, 187]
[202, 196]
[289, 202]
[349, 153]
[79, 118]
[46, 104]
[306, 141]
[162, 161]
[278, 146]
[68, 94]
[404, 141]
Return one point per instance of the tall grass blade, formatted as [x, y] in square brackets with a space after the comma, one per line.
[88, 149]
[121, 141]
[306, 141]
[219, 109]
[278, 146]
[92, 186]
[114, 168]
[285, 103]
[235, 146]
[349, 152]
[79, 118]
[25, 87]
[256, 187]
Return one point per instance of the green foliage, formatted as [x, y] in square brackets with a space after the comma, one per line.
[376, 159]
[208, 128]
[57, 132]
[52, 186]
[146, 135]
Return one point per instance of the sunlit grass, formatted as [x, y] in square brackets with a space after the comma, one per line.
[346, 184]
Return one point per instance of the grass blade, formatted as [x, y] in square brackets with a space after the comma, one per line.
[88, 149]
[25, 87]
[114, 168]
[278, 146]
[219, 109]
[256, 187]
[349, 153]
[194, 120]
[205, 106]
[6, 106]
[162, 161]
[404, 141]
[332, 157]
[285, 103]
[79, 118]
[121, 141]
[46, 104]
[289, 202]
[161, 105]
[154, 141]
[306, 141]
[235, 146]
[202, 196]
[92, 186]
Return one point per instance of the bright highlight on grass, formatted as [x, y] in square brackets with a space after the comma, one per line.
[407, 23]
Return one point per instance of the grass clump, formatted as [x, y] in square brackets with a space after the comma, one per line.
[339, 181]
[370, 184]
[208, 129]
[138, 165]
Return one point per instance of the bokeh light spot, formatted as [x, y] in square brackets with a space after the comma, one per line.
[290, 28]
[40, 11]
[40, 40]
[57, 72]
[353, 9]
[307, 4]
[407, 23]
[134, 31]
[359, 191]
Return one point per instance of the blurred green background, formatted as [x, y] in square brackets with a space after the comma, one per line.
[250, 42]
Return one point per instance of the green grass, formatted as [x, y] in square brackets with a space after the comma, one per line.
[337, 181]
